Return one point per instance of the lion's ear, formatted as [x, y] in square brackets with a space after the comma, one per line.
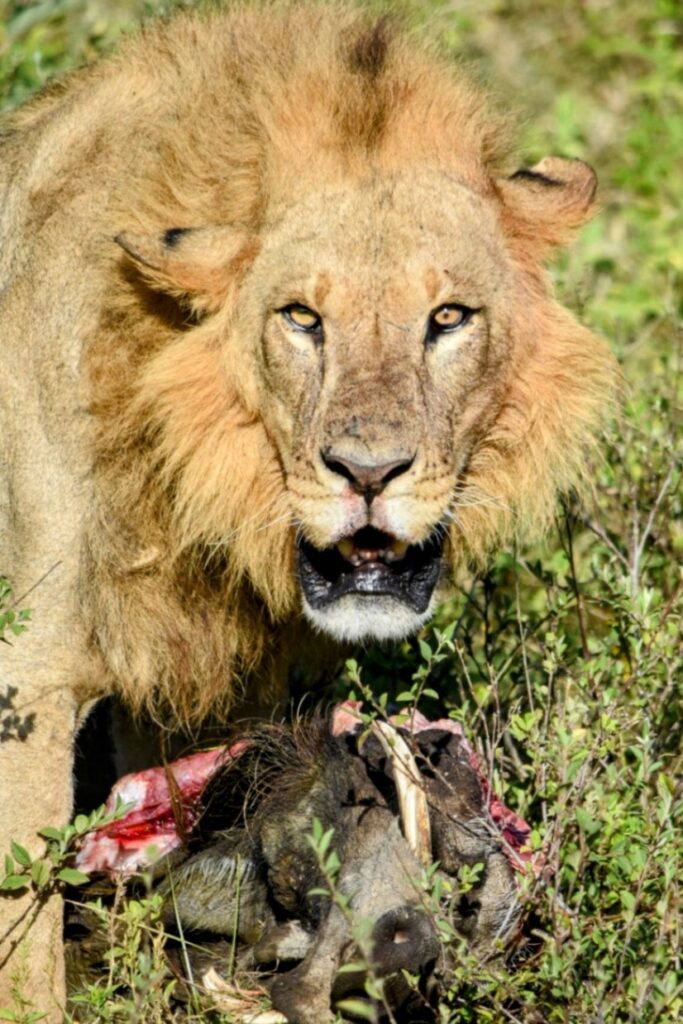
[196, 265]
[551, 198]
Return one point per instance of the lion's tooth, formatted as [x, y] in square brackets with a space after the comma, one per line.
[399, 547]
[345, 547]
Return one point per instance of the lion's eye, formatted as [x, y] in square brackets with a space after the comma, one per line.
[301, 318]
[448, 318]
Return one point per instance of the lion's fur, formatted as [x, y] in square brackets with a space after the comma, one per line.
[189, 549]
[137, 466]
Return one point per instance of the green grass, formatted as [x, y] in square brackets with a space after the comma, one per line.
[566, 663]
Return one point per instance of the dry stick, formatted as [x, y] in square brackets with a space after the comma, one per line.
[181, 933]
[522, 643]
[601, 533]
[469, 599]
[640, 540]
[228, 998]
[488, 591]
[48, 572]
[519, 646]
[564, 805]
[575, 587]
[479, 717]
[509, 1015]
[119, 896]
[513, 754]
[492, 738]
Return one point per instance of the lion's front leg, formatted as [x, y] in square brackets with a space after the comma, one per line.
[36, 743]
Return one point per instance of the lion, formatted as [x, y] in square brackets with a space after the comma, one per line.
[280, 357]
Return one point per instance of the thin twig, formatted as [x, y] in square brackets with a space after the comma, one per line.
[580, 611]
[640, 539]
[19, 600]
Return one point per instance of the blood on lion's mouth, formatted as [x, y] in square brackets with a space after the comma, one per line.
[371, 563]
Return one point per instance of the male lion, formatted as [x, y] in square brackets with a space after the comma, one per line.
[278, 351]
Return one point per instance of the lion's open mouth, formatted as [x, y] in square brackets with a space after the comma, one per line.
[371, 563]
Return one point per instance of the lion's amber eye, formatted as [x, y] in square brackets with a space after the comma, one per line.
[301, 318]
[448, 318]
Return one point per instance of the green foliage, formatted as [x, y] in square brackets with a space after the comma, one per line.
[138, 986]
[44, 874]
[12, 621]
[564, 664]
[41, 39]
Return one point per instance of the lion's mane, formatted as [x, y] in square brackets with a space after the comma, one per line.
[188, 571]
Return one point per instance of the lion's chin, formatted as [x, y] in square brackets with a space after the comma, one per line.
[357, 617]
[370, 585]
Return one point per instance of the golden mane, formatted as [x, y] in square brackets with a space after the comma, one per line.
[190, 566]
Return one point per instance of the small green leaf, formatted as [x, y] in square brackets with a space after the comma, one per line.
[374, 987]
[425, 650]
[447, 633]
[325, 840]
[359, 1009]
[72, 876]
[20, 854]
[628, 899]
[13, 882]
[406, 695]
[586, 822]
[332, 863]
[51, 833]
[40, 873]
[480, 692]
[353, 967]
[317, 830]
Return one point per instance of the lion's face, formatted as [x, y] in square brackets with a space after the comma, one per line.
[382, 387]
[384, 328]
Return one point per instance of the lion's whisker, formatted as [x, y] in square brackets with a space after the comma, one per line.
[470, 499]
[248, 522]
[289, 515]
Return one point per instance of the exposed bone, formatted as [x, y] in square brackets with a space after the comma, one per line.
[229, 999]
[412, 801]
[265, 1017]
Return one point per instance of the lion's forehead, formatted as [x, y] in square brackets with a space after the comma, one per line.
[394, 243]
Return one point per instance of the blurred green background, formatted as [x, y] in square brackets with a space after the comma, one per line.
[564, 662]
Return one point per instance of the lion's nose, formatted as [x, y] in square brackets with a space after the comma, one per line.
[368, 479]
